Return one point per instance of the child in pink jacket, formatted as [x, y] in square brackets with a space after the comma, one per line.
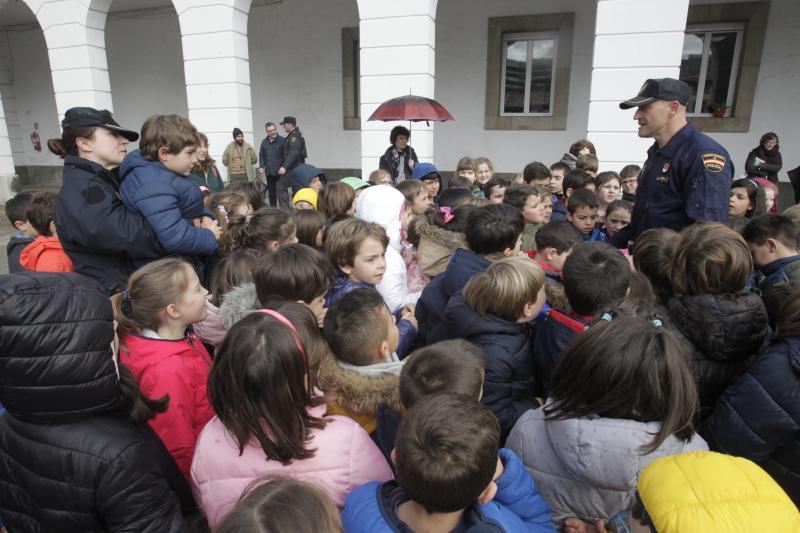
[263, 377]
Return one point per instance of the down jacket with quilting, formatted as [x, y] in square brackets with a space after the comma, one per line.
[588, 467]
[70, 458]
[167, 201]
[725, 333]
[758, 417]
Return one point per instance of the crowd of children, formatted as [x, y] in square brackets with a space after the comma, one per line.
[393, 357]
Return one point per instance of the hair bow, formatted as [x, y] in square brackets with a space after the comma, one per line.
[448, 215]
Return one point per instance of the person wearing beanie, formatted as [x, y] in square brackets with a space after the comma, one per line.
[305, 198]
[430, 177]
[239, 157]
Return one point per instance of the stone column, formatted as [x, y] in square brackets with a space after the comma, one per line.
[7, 171]
[217, 69]
[74, 31]
[398, 57]
[634, 40]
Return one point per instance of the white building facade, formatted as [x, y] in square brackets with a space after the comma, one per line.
[524, 79]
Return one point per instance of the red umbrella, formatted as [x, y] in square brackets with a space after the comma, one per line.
[411, 108]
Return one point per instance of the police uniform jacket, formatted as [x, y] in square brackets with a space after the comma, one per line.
[686, 180]
[295, 150]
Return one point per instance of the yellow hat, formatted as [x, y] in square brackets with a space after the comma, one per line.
[306, 194]
[706, 491]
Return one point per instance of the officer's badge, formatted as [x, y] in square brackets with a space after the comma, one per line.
[662, 179]
[665, 167]
[713, 162]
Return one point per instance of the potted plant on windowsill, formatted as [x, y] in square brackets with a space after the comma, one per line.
[718, 109]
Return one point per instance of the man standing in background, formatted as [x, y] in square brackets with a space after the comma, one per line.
[295, 155]
[270, 160]
[239, 157]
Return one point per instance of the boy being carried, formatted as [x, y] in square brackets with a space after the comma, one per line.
[773, 241]
[554, 242]
[492, 232]
[596, 276]
[45, 254]
[451, 476]
[155, 185]
[365, 372]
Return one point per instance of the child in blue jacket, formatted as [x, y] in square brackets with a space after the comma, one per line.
[452, 474]
[156, 186]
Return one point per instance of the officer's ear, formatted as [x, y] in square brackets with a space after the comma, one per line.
[674, 107]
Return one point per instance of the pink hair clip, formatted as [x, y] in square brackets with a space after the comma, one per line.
[448, 215]
[285, 321]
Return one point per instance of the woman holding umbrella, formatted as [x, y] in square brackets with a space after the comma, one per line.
[399, 159]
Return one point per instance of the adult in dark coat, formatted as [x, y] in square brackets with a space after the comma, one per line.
[764, 161]
[758, 416]
[99, 234]
[399, 159]
[508, 383]
[270, 159]
[75, 452]
[295, 155]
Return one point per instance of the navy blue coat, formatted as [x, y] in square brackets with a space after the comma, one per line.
[508, 384]
[167, 201]
[431, 304]
[758, 417]
[552, 337]
[100, 236]
[271, 155]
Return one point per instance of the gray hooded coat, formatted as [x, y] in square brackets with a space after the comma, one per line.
[588, 467]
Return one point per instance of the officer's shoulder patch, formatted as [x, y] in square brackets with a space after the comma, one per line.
[293, 139]
[713, 162]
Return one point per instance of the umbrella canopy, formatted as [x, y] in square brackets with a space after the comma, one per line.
[412, 108]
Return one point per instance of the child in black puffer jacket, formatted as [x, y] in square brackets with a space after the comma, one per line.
[725, 324]
[758, 416]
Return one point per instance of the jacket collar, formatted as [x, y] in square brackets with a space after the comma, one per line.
[779, 264]
[677, 141]
[112, 176]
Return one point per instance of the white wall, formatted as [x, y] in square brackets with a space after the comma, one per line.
[145, 66]
[461, 42]
[30, 97]
[777, 100]
[296, 69]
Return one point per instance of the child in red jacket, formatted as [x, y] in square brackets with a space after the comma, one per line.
[154, 315]
[45, 253]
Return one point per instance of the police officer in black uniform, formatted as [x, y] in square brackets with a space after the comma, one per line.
[687, 175]
[295, 155]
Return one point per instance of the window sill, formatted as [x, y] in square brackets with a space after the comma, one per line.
[721, 124]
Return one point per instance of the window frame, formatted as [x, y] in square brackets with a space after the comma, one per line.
[707, 30]
[530, 37]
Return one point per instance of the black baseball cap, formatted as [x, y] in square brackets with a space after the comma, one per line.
[79, 117]
[290, 120]
[661, 89]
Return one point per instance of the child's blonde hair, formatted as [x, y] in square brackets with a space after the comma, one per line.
[587, 162]
[505, 288]
[376, 175]
[150, 290]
